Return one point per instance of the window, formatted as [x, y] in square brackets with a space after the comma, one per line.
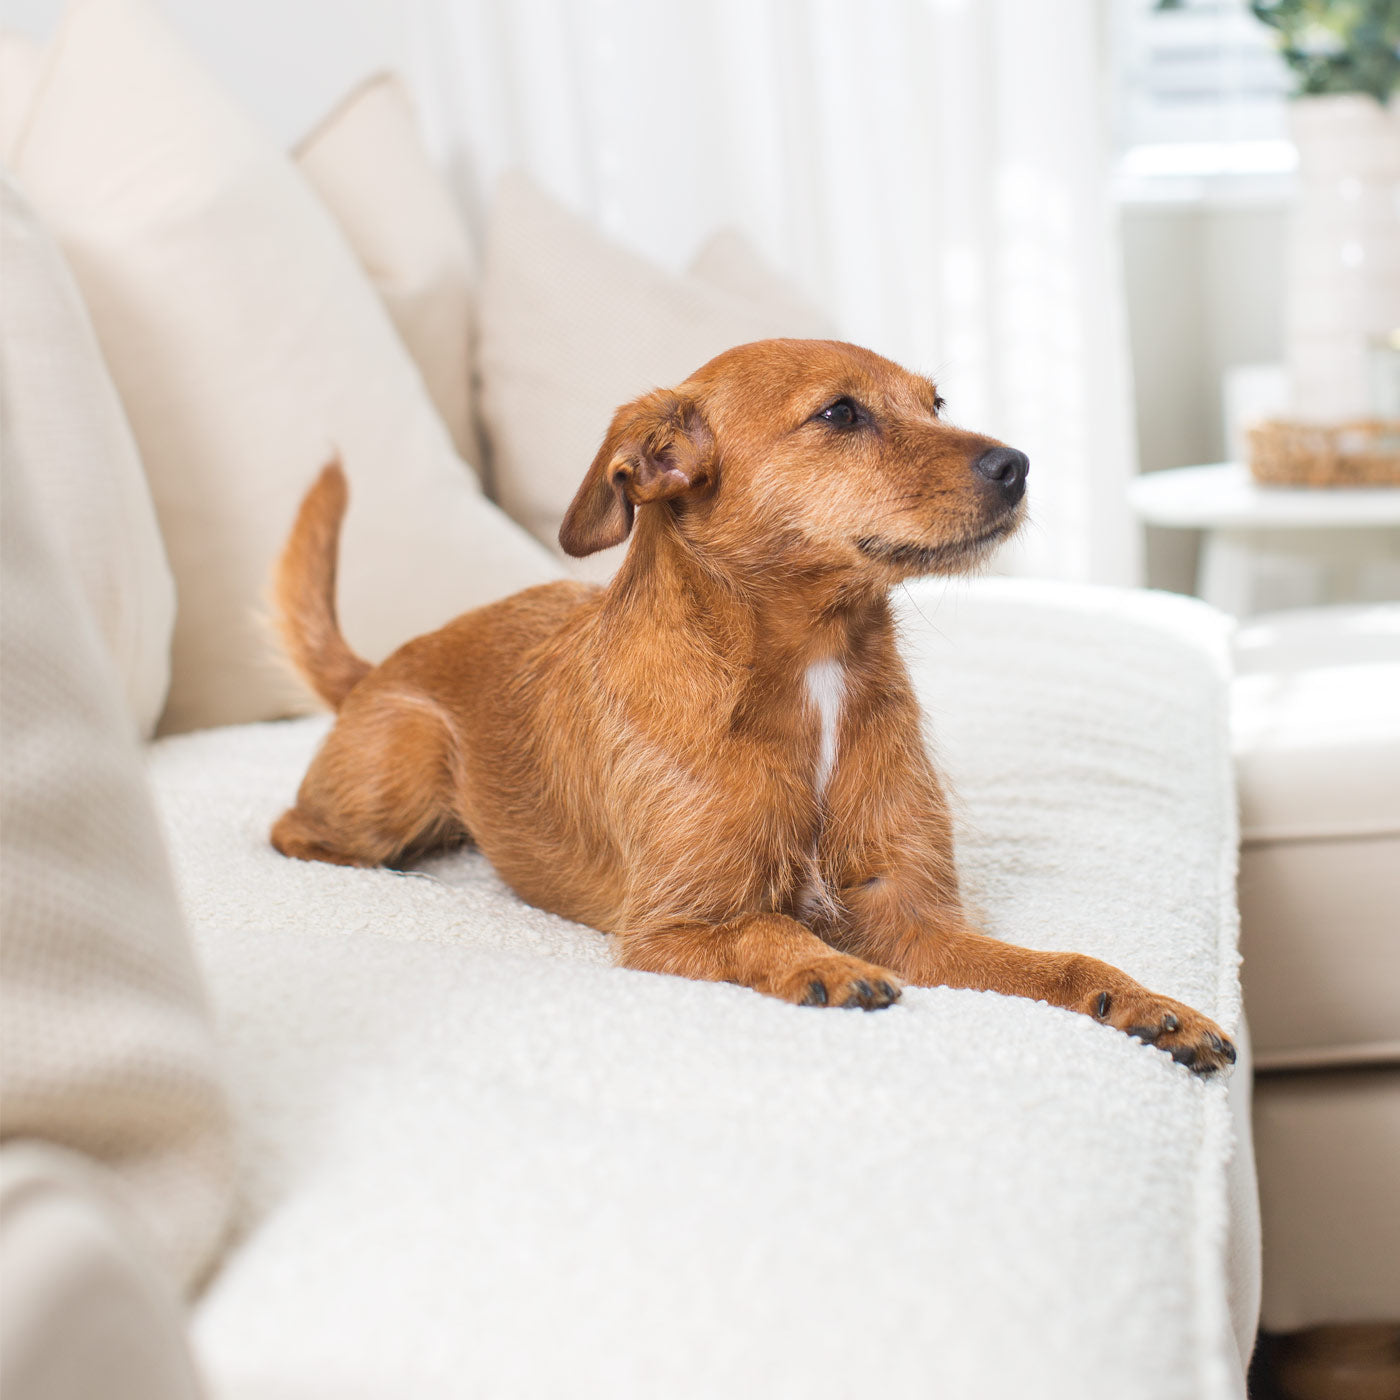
[1201, 100]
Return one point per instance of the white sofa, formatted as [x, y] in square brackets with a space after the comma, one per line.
[1317, 748]
[473, 1158]
[341, 1133]
[481, 1160]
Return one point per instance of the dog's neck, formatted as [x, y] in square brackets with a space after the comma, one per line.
[775, 623]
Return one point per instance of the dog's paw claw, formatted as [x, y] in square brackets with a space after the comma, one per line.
[1188, 1037]
[840, 981]
[872, 996]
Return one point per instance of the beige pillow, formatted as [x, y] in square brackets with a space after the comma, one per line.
[105, 1046]
[84, 1309]
[571, 326]
[731, 263]
[248, 346]
[368, 164]
[21, 67]
[67, 426]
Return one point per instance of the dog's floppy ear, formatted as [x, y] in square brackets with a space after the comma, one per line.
[657, 448]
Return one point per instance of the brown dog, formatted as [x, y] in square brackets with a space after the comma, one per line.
[717, 758]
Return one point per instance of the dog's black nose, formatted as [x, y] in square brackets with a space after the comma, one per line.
[1004, 468]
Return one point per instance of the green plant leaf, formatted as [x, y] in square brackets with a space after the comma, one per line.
[1336, 46]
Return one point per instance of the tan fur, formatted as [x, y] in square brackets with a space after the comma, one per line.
[645, 757]
[304, 591]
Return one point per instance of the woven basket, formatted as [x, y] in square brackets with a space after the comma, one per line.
[1361, 453]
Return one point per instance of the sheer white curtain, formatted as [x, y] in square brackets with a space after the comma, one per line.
[932, 172]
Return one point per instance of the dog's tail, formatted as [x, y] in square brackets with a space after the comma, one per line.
[303, 593]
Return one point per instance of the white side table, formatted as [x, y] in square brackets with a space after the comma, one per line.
[1269, 547]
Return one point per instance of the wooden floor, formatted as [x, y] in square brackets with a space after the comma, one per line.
[1328, 1363]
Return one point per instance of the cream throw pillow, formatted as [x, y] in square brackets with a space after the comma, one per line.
[248, 346]
[21, 67]
[729, 262]
[84, 1309]
[67, 427]
[105, 1046]
[367, 162]
[572, 325]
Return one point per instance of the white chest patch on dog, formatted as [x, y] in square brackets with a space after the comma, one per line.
[826, 686]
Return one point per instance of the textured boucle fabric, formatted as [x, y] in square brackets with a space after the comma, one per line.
[481, 1160]
[106, 1047]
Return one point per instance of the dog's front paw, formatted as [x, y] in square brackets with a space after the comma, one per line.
[838, 980]
[1188, 1037]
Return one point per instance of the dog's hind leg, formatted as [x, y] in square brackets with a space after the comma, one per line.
[768, 952]
[379, 789]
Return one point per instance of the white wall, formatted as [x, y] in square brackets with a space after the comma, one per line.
[287, 61]
[1205, 292]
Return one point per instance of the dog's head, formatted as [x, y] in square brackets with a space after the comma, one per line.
[810, 453]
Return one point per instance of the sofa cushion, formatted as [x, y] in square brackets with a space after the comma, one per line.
[367, 162]
[67, 428]
[1329, 1193]
[1317, 723]
[1317, 748]
[248, 346]
[572, 326]
[105, 1043]
[491, 1162]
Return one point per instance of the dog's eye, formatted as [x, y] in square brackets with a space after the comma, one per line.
[938, 402]
[844, 413]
